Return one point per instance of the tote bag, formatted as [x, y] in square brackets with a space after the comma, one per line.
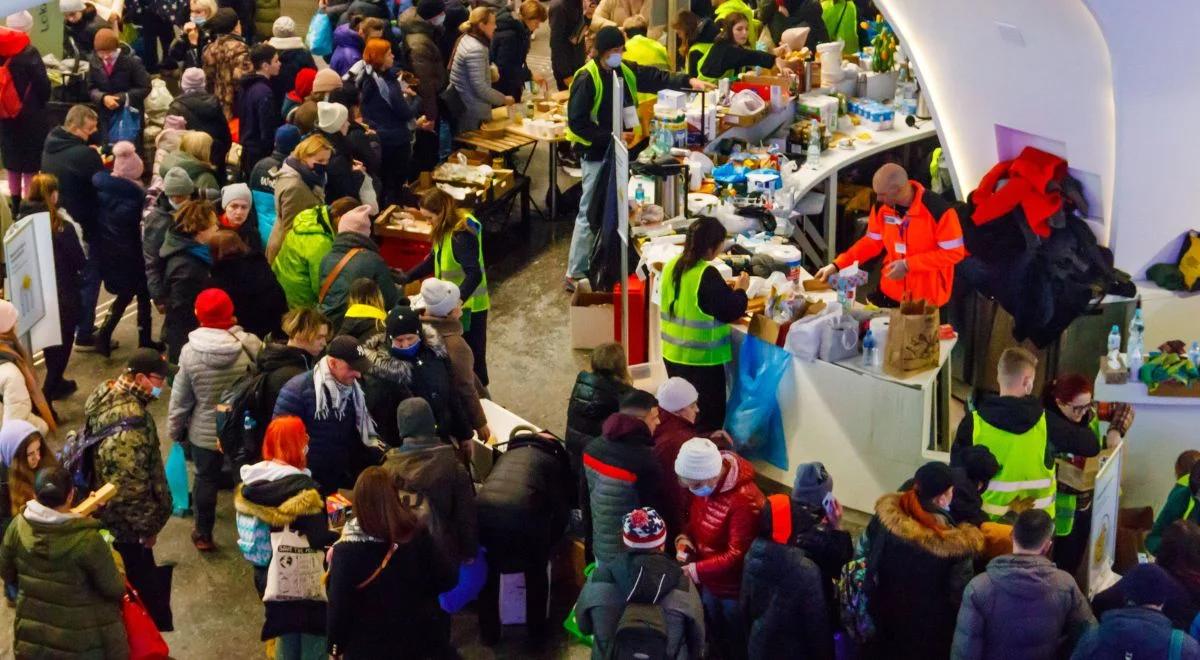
[145, 642]
[296, 569]
[126, 125]
[320, 35]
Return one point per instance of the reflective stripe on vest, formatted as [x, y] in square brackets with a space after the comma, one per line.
[1066, 503]
[1023, 475]
[689, 336]
[446, 267]
[594, 71]
[1186, 482]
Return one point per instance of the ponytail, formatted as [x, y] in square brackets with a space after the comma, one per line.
[705, 235]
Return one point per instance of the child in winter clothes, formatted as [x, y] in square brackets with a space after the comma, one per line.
[1181, 501]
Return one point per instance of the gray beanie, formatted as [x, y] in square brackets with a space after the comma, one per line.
[177, 183]
[414, 419]
[813, 483]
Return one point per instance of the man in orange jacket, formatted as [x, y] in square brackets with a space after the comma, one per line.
[920, 233]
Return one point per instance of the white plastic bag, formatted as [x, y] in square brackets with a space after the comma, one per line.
[839, 340]
[804, 337]
[296, 569]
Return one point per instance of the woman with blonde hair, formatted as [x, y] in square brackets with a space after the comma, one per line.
[470, 72]
[457, 257]
[22, 397]
[69, 258]
[194, 156]
[365, 311]
[595, 396]
[299, 186]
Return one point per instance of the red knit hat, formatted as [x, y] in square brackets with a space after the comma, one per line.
[304, 84]
[214, 309]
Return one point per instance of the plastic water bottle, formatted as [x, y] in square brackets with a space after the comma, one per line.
[639, 195]
[1194, 354]
[1137, 332]
[1114, 340]
[870, 350]
[1134, 358]
[813, 157]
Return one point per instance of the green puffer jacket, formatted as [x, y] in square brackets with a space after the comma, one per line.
[265, 13]
[69, 604]
[130, 460]
[298, 264]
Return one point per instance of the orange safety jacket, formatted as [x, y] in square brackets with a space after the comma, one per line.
[929, 238]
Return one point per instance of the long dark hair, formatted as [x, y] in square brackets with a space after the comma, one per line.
[731, 21]
[705, 235]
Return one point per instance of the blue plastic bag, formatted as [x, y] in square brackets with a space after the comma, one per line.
[320, 35]
[754, 419]
[125, 126]
[471, 579]
[177, 482]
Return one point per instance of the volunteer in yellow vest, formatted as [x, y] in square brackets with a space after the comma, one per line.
[691, 32]
[723, 9]
[696, 308]
[457, 256]
[1181, 501]
[731, 53]
[1024, 439]
[1069, 399]
[589, 126]
[643, 50]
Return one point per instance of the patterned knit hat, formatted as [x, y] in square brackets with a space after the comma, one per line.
[643, 529]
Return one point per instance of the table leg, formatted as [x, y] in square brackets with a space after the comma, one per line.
[831, 217]
[553, 180]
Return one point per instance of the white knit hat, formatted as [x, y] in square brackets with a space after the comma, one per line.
[675, 394]
[21, 20]
[331, 117]
[283, 27]
[68, 6]
[698, 459]
[235, 191]
[440, 296]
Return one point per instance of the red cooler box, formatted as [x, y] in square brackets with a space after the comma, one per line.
[638, 328]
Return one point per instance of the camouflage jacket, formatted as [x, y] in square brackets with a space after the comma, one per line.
[131, 460]
[226, 60]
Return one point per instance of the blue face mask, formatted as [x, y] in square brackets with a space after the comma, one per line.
[156, 392]
[703, 491]
[403, 353]
[613, 61]
[199, 20]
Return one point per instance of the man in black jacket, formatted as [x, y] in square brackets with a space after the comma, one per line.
[589, 126]
[257, 108]
[116, 79]
[80, 24]
[69, 158]
[202, 112]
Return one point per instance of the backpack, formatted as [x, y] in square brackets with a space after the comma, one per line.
[857, 582]
[641, 633]
[418, 504]
[241, 421]
[79, 452]
[10, 101]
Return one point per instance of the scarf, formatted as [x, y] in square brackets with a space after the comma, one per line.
[333, 398]
[15, 354]
[201, 252]
[385, 90]
[911, 505]
[309, 177]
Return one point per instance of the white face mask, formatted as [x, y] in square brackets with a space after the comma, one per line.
[613, 61]
[438, 20]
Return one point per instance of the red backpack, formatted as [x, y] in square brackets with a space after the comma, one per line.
[10, 100]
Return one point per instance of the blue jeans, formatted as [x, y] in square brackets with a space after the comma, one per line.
[89, 294]
[725, 624]
[580, 257]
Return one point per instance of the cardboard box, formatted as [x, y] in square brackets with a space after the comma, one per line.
[473, 156]
[1114, 376]
[1080, 473]
[1175, 389]
[502, 182]
[591, 317]
[745, 121]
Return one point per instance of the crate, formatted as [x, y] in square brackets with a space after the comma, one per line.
[1080, 473]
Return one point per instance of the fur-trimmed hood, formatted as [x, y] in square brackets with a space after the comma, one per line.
[304, 503]
[953, 543]
[385, 366]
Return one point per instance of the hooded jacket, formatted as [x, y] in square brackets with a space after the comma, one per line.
[70, 600]
[525, 502]
[130, 460]
[431, 467]
[722, 526]
[1133, 632]
[210, 362]
[120, 234]
[427, 375]
[593, 398]
[258, 299]
[262, 192]
[425, 58]
[921, 575]
[154, 232]
[202, 112]
[186, 267]
[292, 196]
[347, 48]
[280, 363]
[1022, 606]
[510, 49]
[280, 495]
[1018, 415]
[1181, 599]
[22, 137]
[257, 108]
[782, 596]
[297, 266]
[74, 163]
[642, 577]
[203, 175]
[669, 437]
[619, 475]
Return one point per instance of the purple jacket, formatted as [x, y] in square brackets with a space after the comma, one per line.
[347, 49]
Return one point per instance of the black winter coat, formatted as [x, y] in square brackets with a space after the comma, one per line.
[783, 600]
[280, 363]
[387, 111]
[120, 234]
[392, 380]
[525, 502]
[202, 112]
[74, 163]
[22, 137]
[128, 81]
[368, 263]
[186, 272]
[257, 109]
[68, 266]
[258, 299]
[801, 13]
[340, 179]
[510, 49]
[291, 60]
[154, 231]
[80, 37]
[594, 397]
[568, 51]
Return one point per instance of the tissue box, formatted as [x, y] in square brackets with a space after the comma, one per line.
[672, 99]
[818, 106]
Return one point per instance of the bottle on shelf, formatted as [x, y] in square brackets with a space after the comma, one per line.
[1194, 354]
[870, 350]
[1114, 342]
[813, 156]
[639, 194]
[1137, 332]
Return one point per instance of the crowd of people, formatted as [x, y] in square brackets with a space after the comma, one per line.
[299, 371]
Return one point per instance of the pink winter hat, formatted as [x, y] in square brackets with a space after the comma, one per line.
[126, 162]
[356, 220]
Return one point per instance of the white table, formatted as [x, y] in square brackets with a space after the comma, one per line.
[765, 128]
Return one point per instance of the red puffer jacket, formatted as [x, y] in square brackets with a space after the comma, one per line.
[723, 525]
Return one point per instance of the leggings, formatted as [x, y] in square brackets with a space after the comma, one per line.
[709, 382]
[476, 338]
[19, 182]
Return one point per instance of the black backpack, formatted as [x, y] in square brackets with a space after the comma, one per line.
[79, 452]
[241, 418]
[642, 630]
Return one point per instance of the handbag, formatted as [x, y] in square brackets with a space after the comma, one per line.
[454, 102]
[177, 482]
[296, 569]
[471, 579]
[320, 35]
[145, 642]
[839, 340]
[126, 125]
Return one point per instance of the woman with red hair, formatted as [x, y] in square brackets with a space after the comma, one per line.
[275, 493]
[387, 107]
[1069, 397]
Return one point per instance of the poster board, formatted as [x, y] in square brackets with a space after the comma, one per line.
[31, 282]
[1102, 540]
[47, 31]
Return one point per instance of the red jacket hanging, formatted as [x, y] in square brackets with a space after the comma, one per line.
[1032, 180]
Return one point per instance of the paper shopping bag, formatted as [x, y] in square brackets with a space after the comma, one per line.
[913, 343]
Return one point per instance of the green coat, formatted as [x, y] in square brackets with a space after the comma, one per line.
[298, 264]
[265, 13]
[841, 19]
[69, 603]
[368, 263]
[1173, 509]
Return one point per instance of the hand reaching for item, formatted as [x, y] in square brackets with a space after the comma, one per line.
[424, 123]
[896, 270]
[825, 273]
[700, 85]
[112, 102]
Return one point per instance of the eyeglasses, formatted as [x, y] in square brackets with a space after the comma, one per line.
[1080, 409]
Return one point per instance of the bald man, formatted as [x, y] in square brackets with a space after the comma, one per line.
[920, 234]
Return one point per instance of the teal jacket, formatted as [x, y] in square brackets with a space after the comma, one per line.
[298, 264]
[1174, 508]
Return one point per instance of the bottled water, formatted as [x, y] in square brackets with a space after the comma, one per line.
[1137, 332]
[813, 157]
[639, 195]
[1114, 340]
[1194, 354]
[870, 350]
